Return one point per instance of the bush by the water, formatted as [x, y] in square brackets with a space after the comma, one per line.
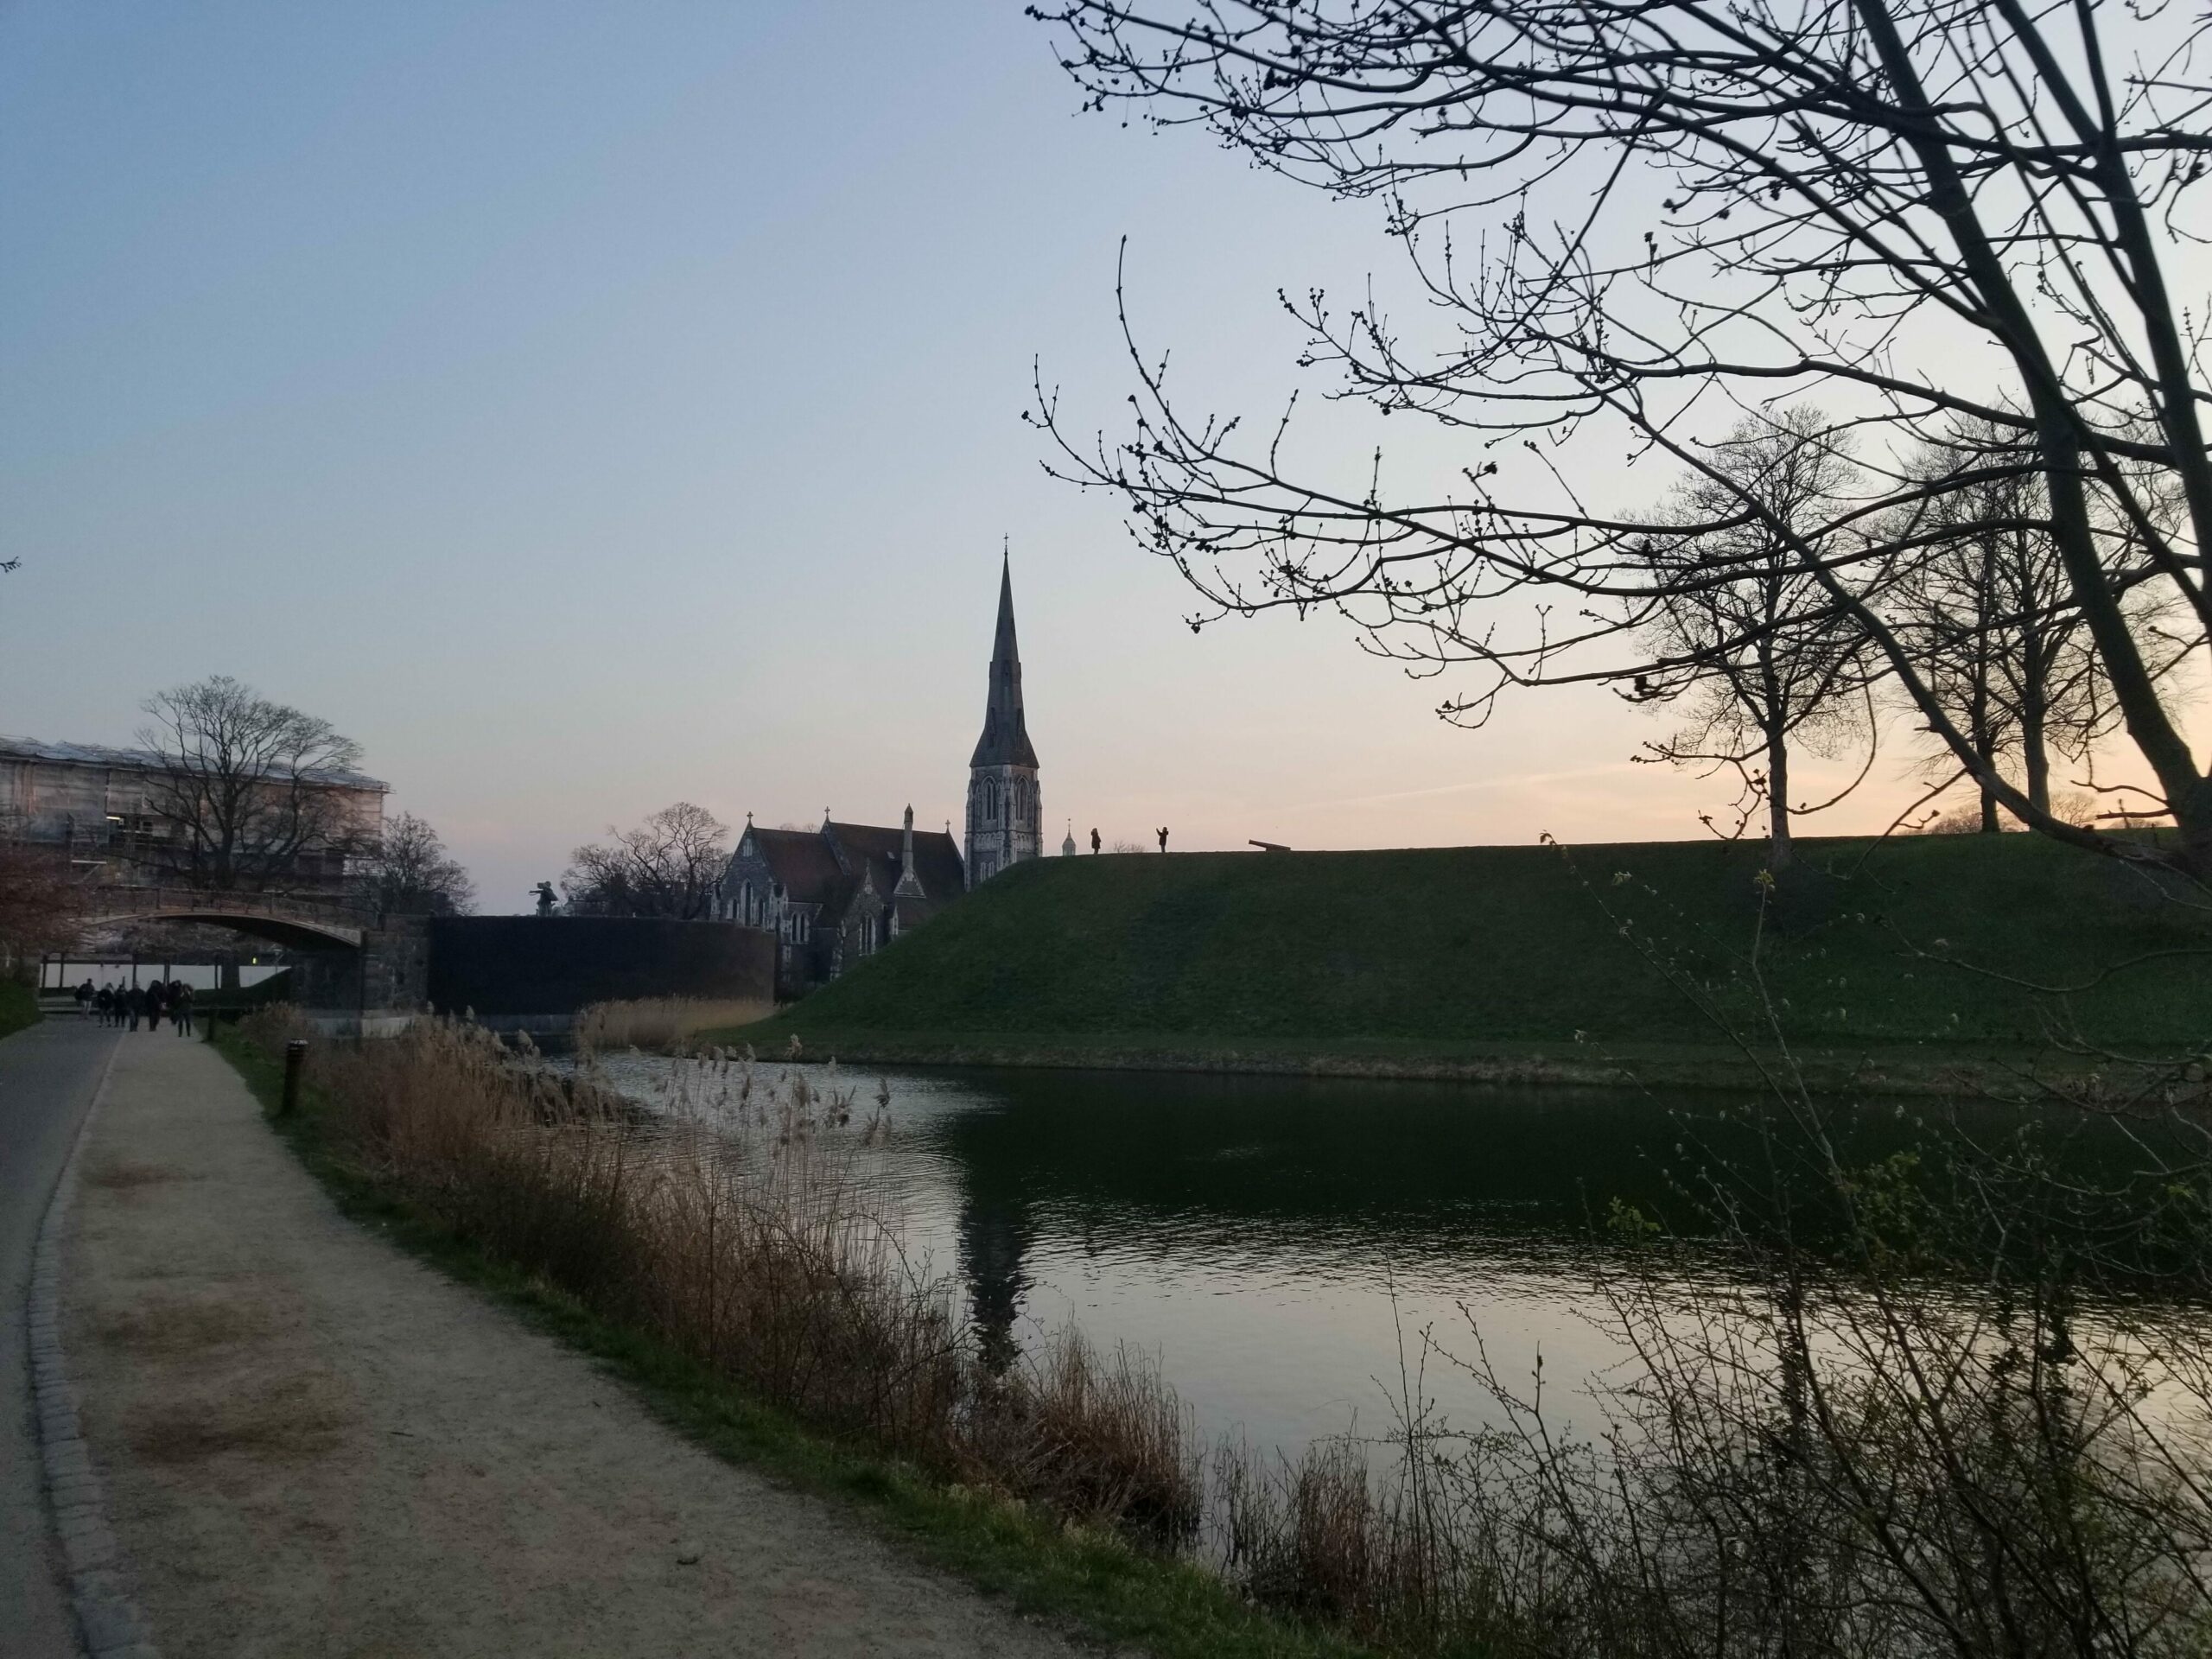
[1980, 1426]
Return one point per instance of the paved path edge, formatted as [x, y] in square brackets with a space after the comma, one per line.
[96, 1577]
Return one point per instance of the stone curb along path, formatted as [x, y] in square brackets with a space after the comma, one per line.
[101, 1591]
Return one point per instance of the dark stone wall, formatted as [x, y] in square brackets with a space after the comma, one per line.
[557, 964]
[396, 957]
[389, 974]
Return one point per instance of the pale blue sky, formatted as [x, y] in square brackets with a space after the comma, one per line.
[589, 407]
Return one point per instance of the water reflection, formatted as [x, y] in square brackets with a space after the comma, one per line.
[997, 1230]
[1278, 1243]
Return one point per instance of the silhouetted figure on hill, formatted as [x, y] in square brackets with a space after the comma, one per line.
[1163, 841]
[1093, 837]
[545, 899]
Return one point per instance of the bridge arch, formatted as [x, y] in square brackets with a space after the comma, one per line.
[305, 923]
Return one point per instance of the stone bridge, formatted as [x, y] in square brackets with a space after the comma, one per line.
[347, 961]
[283, 919]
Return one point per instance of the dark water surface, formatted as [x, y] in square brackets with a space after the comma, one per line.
[1277, 1242]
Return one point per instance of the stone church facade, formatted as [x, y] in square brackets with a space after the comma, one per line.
[833, 896]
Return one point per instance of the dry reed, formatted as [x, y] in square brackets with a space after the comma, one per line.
[662, 1024]
[740, 1226]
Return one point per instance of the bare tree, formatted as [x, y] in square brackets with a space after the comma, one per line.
[671, 865]
[1990, 611]
[40, 906]
[407, 873]
[1666, 212]
[1764, 660]
[250, 792]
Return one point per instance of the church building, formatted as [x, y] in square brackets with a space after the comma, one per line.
[1006, 815]
[834, 895]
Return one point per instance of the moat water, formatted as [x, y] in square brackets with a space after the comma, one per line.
[1277, 1243]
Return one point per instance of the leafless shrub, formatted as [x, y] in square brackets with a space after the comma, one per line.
[1102, 1440]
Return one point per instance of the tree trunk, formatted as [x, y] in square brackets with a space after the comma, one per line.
[1777, 801]
[2034, 754]
[1985, 742]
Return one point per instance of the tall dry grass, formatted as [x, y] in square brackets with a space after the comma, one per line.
[662, 1024]
[742, 1227]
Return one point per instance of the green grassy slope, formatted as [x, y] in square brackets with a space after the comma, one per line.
[1469, 947]
[18, 1006]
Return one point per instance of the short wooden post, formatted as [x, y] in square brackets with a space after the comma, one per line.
[296, 1059]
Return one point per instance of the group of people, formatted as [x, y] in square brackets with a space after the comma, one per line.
[117, 1005]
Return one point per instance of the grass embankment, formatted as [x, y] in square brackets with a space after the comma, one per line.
[18, 1006]
[1031, 1552]
[1892, 957]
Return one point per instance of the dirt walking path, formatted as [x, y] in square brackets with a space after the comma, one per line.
[314, 1445]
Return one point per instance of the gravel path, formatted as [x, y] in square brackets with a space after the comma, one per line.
[314, 1445]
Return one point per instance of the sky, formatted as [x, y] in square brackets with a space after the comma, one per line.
[587, 408]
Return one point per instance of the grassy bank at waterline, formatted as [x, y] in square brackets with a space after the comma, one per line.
[1899, 963]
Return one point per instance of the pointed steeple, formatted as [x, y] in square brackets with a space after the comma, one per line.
[1005, 741]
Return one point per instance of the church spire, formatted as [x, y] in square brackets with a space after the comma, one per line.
[1004, 741]
[1005, 812]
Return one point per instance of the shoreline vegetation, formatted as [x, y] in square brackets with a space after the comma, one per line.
[1930, 1438]
[1985, 1071]
[663, 1023]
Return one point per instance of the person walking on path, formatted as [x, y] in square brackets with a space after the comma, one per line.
[135, 999]
[104, 1004]
[157, 1004]
[1163, 840]
[84, 999]
[180, 1010]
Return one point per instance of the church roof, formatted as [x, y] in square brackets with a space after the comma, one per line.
[827, 866]
[936, 857]
[1005, 741]
[799, 861]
